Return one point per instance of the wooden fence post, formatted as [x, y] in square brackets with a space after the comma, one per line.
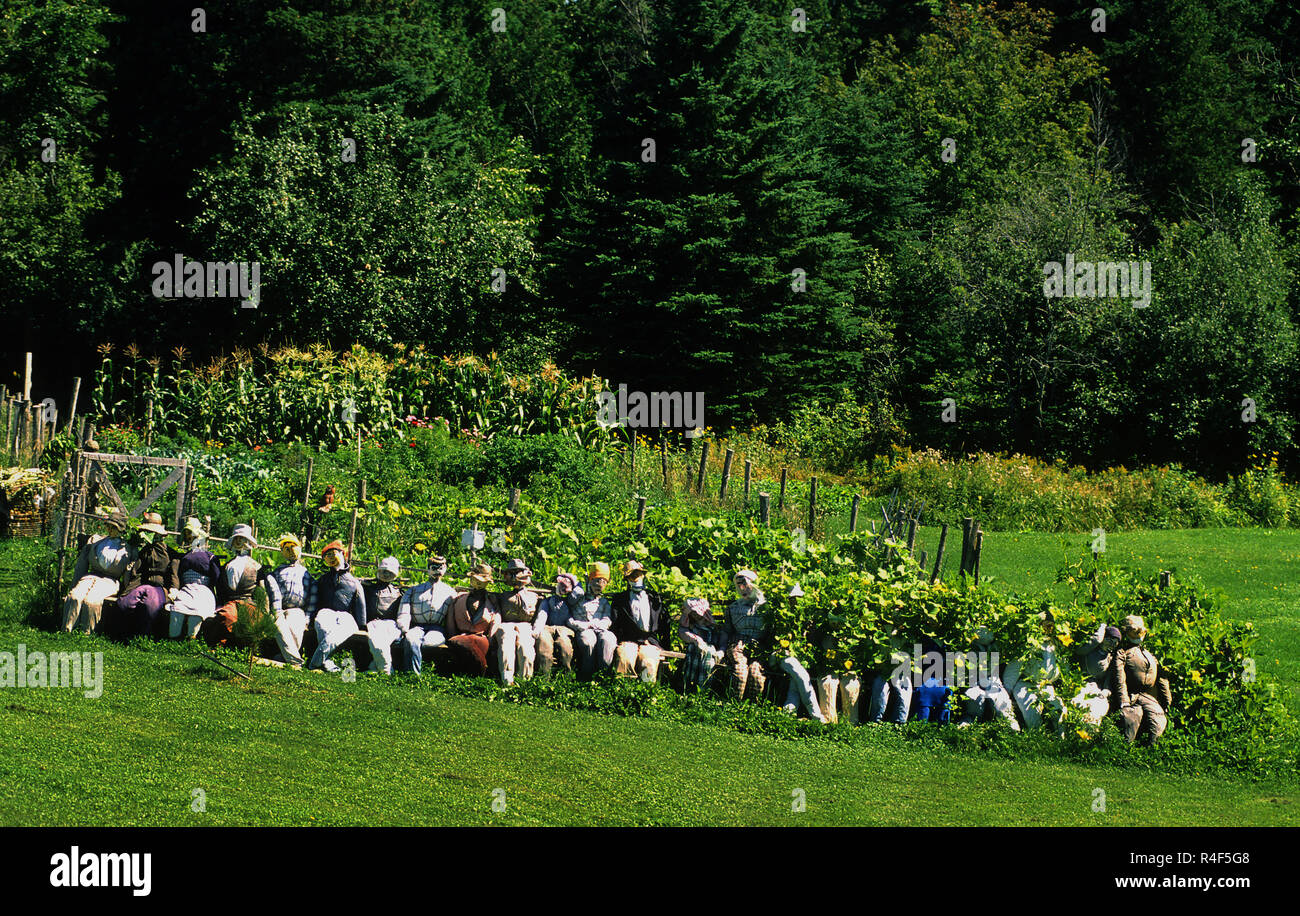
[967, 526]
[812, 507]
[979, 545]
[640, 513]
[27, 379]
[148, 422]
[726, 472]
[352, 530]
[853, 513]
[749, 469]
[306, 502]
[938, 554]
[1165, 577]
[704, 463]
[780, 503]
[72, 404]
[764, 507]
[911, 536]
[920, 560]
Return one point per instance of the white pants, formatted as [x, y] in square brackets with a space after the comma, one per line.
[333, 629]
[290, 627]
[518, 650]
[995, 693]
[382, 634]
[85, 603]
[1094, 701]
[186, 624]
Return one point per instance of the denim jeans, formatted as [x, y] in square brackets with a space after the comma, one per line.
[416, 641]
[890, 695]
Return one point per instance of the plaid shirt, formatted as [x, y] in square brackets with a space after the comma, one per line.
[746, 622]
[696, 668]
[426, 605]
[292, 585]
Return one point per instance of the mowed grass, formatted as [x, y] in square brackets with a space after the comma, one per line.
[301, 749]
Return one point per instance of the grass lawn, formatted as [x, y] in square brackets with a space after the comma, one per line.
[298, 748]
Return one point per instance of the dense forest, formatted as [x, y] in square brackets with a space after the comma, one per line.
[844, 202]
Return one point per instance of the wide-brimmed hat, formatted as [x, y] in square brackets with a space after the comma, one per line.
[193, 527]
[153, 518]
[390, 565]
[154, 527]
[437, 560]
[747, 574]
[1134, 622]
[241, 531]
[516, 567]
[481, 575]
[598, 570]
[631, 568]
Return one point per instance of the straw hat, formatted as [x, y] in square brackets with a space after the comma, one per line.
[632, 569]
[288, 539]
[598, 571]
[1134, 623]
[481, 575]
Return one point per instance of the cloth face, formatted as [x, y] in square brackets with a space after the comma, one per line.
[292, 553]
[332, 559]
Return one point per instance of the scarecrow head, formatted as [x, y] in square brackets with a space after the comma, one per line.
[597, 578]
[517, 574]
[332, 555]
[241, 542]
[746, 582]
[290, 548]
[634, 573]
[437, 568]
[388, 570]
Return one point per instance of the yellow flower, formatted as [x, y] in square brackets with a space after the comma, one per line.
[848, 666]
[1084, 735]
[1196, 676]
[785, 644]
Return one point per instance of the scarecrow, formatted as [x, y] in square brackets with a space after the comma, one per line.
[640, 626]
[424, 609]
[703, 641]
[591, 619]
[1096, 699]
[748, 639]
[291, 590]
[149, 579]
[100, 566]
[1029, 680]
[472, 621]
[988, 692]
[514, 637]
[199, 571]
[236, 584]
[385, 628]
[341, 603]
[551, 625]
[1144, 695]
[891, 689]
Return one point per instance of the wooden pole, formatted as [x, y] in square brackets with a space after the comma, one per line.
[938, 554]
[640, 513]
[911, 535]
[812, 507]
[352, 530]
[726, 472]
[20, 441]
[920, 560]
[148, 422]
[27, 379]
[967, 526]
[764, 508]
[1165, 577]
[749, 470]
[853, 513]
[780, 502]
[306, 500]
[72, 404]
[704, 463]
[975, 564]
